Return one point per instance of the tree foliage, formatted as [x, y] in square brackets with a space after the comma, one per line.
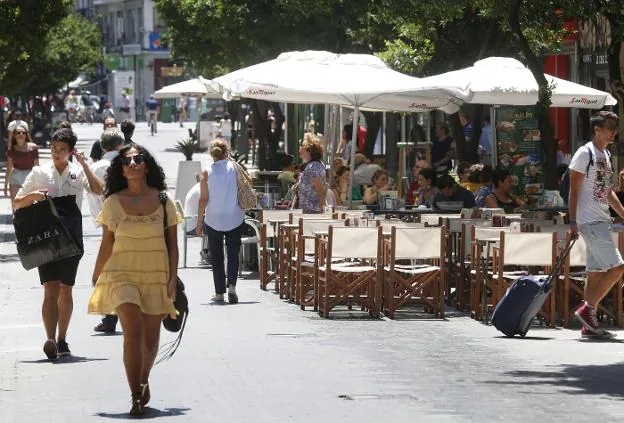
[44, 45]
[416, 37]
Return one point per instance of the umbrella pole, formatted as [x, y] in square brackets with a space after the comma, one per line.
[286, 128]
[332, 140]
[356, 113]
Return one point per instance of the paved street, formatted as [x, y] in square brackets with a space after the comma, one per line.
[264, 360]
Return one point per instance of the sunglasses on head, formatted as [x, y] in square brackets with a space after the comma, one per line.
[137, 159]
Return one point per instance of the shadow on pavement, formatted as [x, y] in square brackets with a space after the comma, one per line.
[64, 360]
[574, 379]
[150, 413]
[105, 334]
[6, 219]
[226, 303]
[526, 338]
[7, 237]
[9, 258]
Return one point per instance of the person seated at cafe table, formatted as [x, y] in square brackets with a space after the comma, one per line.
[427, 179]
[340, 187]
[364, 170]
[381, 182]
[501, 197]
[450, 191]
[482, 174]
[463, 172]
[414, 185]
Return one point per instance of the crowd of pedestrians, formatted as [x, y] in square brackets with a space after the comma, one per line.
[135, 275]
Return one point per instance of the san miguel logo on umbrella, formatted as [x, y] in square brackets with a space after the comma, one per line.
[582, 100]
[259, 91]
[421, 106]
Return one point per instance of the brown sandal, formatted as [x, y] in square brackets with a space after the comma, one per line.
[137, 407]
[145, 394]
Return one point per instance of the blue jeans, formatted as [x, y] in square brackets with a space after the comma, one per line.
[232, 244]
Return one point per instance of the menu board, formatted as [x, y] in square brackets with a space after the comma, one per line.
[519, 150]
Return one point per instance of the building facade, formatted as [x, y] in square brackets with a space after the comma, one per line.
[132, 49]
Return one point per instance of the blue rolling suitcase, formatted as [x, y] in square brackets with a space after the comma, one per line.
[524, 299]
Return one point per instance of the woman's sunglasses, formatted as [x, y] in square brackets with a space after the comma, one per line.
[137, 159]
[20, 133]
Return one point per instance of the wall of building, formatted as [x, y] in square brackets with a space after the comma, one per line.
[131, 36]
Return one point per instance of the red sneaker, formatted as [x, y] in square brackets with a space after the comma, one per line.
[588, 334]
[587, 315]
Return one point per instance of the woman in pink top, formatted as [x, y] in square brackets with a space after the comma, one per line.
[22, 156]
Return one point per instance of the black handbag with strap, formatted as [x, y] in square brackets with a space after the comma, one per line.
[180, 303]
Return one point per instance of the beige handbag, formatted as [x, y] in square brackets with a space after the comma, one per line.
[247, 198]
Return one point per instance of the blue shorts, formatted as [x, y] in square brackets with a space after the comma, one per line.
[602, 253]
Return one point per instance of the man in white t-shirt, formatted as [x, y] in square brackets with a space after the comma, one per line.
[111, 141]
[591, 194]
[225, 127]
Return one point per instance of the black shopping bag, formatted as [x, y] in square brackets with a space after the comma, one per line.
[41, 235]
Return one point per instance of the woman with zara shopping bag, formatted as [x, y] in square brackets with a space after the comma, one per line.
[64, 182]
[135, 273]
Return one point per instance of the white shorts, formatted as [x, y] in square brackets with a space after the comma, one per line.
[602, 253]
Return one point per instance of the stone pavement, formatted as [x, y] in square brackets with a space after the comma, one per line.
[264, 360]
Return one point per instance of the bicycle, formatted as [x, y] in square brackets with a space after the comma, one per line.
[152, 122]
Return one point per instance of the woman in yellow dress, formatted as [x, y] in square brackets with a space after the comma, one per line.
[136, 270]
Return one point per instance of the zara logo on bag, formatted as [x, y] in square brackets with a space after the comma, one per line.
[33, 239]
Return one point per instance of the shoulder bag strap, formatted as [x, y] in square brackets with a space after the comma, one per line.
[163, 201]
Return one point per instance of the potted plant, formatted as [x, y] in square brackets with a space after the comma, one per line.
[187, 169]
[188, 147]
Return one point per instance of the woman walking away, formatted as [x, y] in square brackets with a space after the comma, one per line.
[220, 217]
[22, 156]
[65, 182]
[136, 269]
[312, 186]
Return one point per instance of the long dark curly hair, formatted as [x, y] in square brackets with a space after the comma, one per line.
[115, 180]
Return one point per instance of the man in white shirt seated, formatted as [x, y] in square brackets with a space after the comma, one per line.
[364, 171]
[112, 141]
[191, 202]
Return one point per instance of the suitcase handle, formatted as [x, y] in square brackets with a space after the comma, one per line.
[559, 264]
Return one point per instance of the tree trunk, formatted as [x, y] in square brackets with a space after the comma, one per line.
[477, 127]
[262, 128]
[374, 121]
[536, 67]
[457, 132]
[614, 53]
[274, 137]
[392, 137]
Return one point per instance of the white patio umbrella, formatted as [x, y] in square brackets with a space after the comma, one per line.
[503, 80]
[353, 80]
[193, 87]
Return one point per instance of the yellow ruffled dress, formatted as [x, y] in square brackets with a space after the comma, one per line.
[137, 271]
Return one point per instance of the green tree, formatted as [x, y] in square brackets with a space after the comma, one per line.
[614, 12]
[463, 31]
[71, 47]
[217, 36]
[25, 25]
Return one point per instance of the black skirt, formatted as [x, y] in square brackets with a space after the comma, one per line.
[65, 270]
